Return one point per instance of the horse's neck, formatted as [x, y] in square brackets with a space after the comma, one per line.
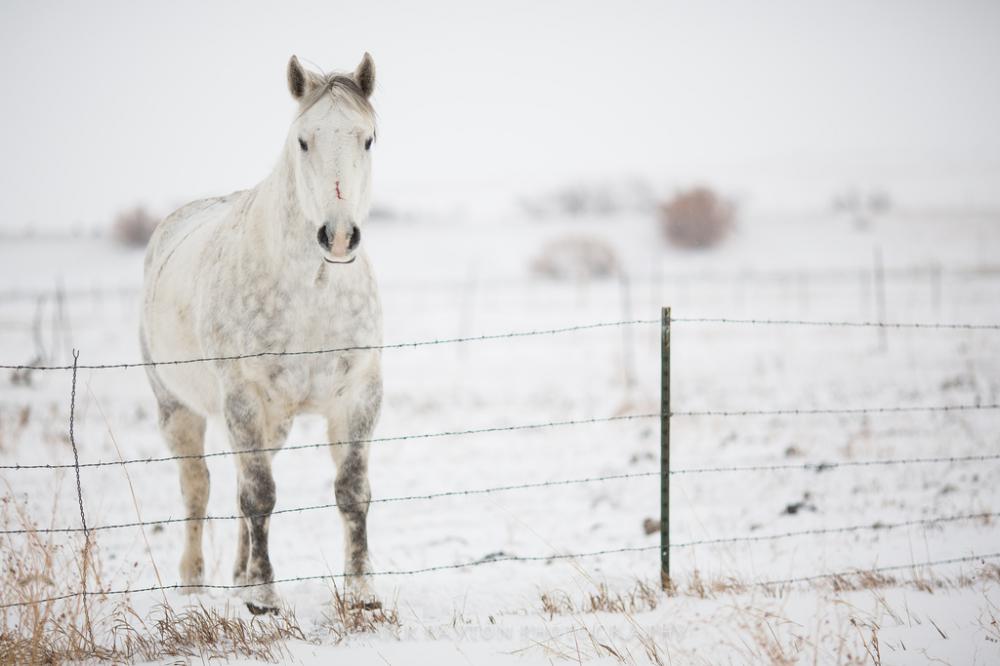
[275, 228]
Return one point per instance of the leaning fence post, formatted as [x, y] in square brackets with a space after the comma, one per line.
[85, 553]
[665, 451]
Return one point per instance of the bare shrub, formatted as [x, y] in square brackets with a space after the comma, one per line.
[696, 218]
[600, 199]
[862, 207]
[133, 227]
[576, 257]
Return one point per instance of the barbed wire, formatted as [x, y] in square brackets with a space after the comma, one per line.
[848, 324]
[843, 529]
[489, 559]
[315, 507]
[337, 350]
[497, 489]
[319, 445]
[520, 281]
[511, 428]
[839, 410]
[823, 466]
[875, 570]
[501, 336]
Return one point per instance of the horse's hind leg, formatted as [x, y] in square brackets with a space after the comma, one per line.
[184, 431]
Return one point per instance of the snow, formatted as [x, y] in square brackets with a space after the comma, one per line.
[468, 273]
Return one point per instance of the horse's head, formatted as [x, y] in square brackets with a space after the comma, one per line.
[329, 147]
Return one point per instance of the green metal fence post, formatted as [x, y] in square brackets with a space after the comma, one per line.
[665, 451]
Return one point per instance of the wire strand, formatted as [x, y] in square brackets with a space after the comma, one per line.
[319, 445]
[483, 561]
[513, 428]
[833, 324]
[511, 334]
[336, 350]
[315, 507]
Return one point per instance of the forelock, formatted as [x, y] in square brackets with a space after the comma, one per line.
[342, 89]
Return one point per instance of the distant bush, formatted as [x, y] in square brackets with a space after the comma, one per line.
[134, 226]
[696, 218]
[576, 258]
[862, 207]
[598, 199]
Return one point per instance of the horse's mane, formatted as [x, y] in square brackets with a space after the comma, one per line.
[341, 87]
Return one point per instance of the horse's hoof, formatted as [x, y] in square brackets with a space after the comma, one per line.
[368, 604]
[260, 598]
[261, 610]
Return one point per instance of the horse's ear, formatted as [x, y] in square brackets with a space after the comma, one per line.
[365, 75]
[297, 82]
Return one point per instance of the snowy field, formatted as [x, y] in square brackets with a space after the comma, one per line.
[461, 274]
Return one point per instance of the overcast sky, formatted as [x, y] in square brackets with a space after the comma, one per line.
[111, 103]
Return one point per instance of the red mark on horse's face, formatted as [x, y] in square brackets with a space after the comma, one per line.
[338, 190]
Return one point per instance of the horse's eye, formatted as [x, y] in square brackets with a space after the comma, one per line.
[303, 145]
[368, 143]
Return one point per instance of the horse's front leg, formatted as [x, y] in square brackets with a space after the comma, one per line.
[251, 429]
[349, 427]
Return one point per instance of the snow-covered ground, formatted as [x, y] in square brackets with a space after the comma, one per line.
[461, 273]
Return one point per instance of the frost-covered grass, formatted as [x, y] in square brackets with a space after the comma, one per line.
[445, 277]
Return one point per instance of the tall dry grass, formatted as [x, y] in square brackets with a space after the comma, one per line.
[49, 621]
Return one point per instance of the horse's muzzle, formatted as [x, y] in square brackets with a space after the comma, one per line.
[340, 241]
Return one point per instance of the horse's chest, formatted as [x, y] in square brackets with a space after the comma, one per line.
[310, 384]
[328, 325]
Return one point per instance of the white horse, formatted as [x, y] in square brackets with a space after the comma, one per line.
[276, 268]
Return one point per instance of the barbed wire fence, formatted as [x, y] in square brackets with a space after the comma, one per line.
[665, 473]
[933, 272]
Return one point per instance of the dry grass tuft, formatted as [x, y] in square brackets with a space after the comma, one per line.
[46, 630]
[863, 580]
[33, 570]
[699, 587]
[350, 615]
[205, 633]
[641, 597]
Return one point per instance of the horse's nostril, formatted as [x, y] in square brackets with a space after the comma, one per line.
[355, 238]
[323, 239]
